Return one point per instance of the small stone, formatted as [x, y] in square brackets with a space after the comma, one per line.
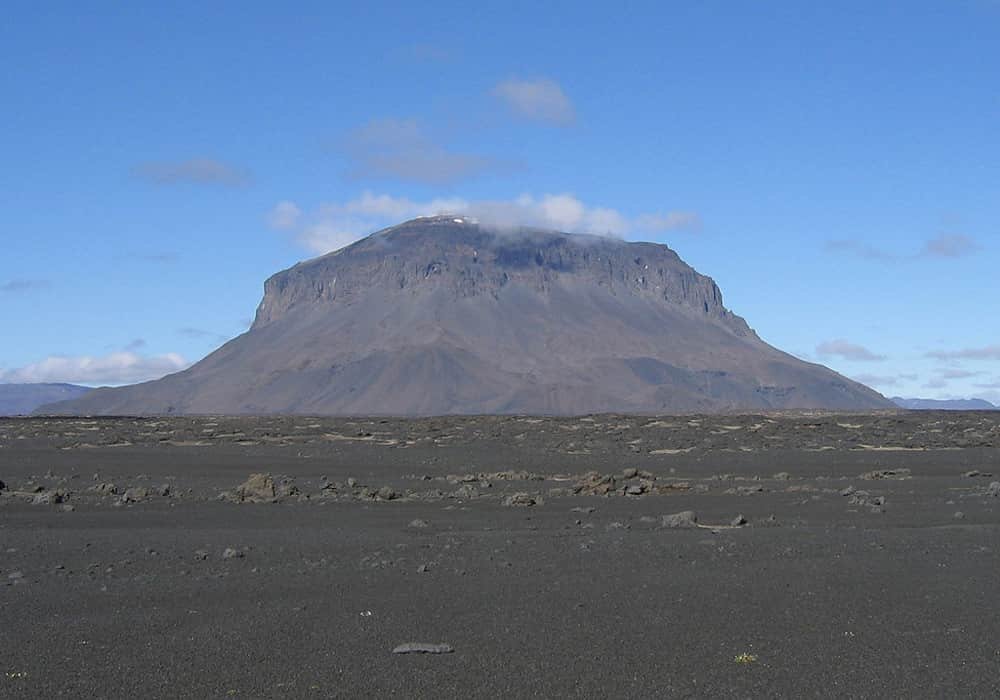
[635, 490]
[201, 554]
[582, 509]
[684, 519]
[352, 482]
[521, 499]
[230, 553]
[386, 494]
[782, 476]
[423, 648]
[993, 490]
[66, 508]
[136, 494]
[959, 515]
[163, 490]
[630, 473]
[258, 488]
[418, 523]
[738, 521]
[971, 473]
[423, 569]
[848, 491]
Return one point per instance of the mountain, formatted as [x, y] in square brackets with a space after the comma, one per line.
[440, 315]
[944, 404]
[22, 399]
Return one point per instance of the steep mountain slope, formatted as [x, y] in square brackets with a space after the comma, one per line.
[440, 315]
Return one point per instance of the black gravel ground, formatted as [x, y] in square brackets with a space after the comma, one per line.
[865, 562]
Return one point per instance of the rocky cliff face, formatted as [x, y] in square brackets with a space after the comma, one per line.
[440, 315]
[466, 260]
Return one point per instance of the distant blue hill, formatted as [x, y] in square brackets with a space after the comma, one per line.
[22, 399]
[944, 404]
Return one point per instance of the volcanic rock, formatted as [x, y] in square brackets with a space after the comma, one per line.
[259, 488]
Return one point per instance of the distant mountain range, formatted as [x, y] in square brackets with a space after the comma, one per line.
[944, 404]
[440, 315]
[22, 399]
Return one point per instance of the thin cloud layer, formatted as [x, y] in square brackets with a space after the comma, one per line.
[847, 351]
[197, 171]
[335, 225]
[541, 100]
[202, 334]
[399, 149]
[949, 246]
[876, 380]
[285, 216]
[23, 285]
[123, 367]
[945, 246]
[990, 352]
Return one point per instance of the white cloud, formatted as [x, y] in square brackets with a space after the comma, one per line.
[123, 367]
[284, 216]
[335, 225]
[541, 99]
[201, 171]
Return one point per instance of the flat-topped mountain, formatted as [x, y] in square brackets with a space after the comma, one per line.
[440, 315]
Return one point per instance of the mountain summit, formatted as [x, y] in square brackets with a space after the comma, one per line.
[440, 315]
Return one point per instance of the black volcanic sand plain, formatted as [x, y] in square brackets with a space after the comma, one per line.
[821, 555]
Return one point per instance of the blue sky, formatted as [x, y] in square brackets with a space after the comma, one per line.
[834, 166]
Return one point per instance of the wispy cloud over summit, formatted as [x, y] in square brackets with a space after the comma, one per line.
[334, 225]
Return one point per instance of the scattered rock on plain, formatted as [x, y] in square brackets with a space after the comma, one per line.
[136, 494]
[423, 648]
[259, 488]
[684, 519]
[521, 499]
[386, 494]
